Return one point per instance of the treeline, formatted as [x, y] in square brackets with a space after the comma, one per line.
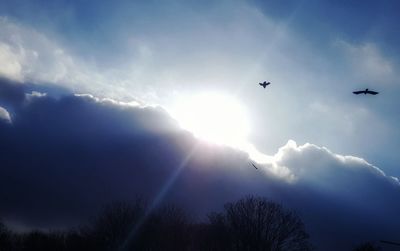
[252, 223]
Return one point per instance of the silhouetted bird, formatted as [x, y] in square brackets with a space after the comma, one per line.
[254, 165]
[264, 84]
[366, 91]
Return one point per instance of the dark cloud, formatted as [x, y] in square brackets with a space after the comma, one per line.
[62, 158]
[12, 94]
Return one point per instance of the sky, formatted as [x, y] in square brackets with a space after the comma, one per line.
[103, 101]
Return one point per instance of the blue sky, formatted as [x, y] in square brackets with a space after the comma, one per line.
[165, 54]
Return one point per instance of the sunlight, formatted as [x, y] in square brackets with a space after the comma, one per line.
[213, 117]
[220, 119]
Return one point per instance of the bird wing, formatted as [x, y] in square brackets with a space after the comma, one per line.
[358, 92]
[254, 166]
[372, 92]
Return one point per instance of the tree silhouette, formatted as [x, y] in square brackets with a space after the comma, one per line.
[42, 241]
[167, 228]
[5, 238]
[112, 227]
[255, 223]
[128, 227]
[250, 224]
[367, 246]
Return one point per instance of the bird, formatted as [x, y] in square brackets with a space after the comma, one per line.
[366, 91]
[264, 84]
[254, 165]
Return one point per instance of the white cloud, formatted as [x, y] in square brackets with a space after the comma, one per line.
[311, 163]
[35, 94]
[333, 190]
[110, 101]
[4, 115]
[10, 63]
[368, 62]
[29, 55]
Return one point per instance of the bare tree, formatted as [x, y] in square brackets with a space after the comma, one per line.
[255, 223]
[113, 225]
[123, 226]
[167, 228]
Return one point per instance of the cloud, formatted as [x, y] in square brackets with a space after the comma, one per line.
[63, 158]
[11, 93]
[53, 133]
[368, 62]
[34, 94]
[145, 63]
[305, 162]
[338, 195]
[4, 115]
[11, 66]
[28, 55]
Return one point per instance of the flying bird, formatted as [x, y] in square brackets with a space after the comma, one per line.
[366, 91]
[254, 165]
[264, 84]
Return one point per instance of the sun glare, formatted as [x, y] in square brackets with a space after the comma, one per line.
[213, 117]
